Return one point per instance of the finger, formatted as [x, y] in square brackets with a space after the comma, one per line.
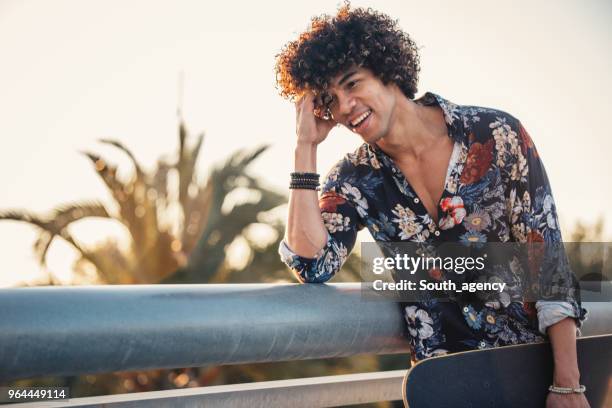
[299, 102]
[305, 98]
[308, 107]
[302, 105]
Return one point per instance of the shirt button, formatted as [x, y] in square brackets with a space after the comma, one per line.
[437, 233]
[416, 200]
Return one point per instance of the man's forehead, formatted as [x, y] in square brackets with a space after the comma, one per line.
[342, 76]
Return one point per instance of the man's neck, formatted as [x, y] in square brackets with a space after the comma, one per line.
[414, 129]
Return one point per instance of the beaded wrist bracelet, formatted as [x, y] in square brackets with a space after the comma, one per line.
[567, 390]
[304, 181]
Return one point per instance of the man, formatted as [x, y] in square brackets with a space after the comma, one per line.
[429, 171]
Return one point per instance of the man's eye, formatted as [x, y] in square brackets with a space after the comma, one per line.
[351, 84]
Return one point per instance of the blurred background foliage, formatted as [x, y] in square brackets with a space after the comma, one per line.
[167, 213]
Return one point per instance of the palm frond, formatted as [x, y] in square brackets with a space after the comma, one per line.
[208, 254]
[56, 223]
[182, 136]
[160, 180]
[124, 149]
[123, 193]
[64, 215]
[186, 162]
[108, 173]
[237, 163]
[243, 157]
[196, 214]
[68, 213]
[41, 246]
[137, 210]
[144, 207]
[23, 216]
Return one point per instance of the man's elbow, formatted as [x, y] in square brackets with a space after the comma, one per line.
[305, 277]
[302, 245]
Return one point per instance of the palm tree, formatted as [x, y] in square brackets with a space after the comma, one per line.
[146, 204]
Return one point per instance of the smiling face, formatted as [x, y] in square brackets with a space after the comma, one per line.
[360, 101]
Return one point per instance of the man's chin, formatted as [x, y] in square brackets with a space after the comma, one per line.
[371, 139]
[368, 136]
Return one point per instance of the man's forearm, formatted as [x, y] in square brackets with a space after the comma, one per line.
[306, 234]
[563, 340]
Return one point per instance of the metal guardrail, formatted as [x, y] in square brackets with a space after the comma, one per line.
[78, 330]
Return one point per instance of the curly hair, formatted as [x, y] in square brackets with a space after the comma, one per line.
[332, 44]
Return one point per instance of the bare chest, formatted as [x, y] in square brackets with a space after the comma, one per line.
[427, 176]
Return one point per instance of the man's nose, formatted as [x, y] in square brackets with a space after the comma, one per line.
[345, 104]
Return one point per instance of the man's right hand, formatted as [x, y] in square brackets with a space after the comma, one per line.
[310, 129]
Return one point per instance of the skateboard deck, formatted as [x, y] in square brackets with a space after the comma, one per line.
[513, 376]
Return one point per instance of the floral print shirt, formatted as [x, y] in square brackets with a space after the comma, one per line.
[496, 190]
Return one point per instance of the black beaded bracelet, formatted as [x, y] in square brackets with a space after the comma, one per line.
[314, 176]
[304, 187]
[304, 178]
[304, 181]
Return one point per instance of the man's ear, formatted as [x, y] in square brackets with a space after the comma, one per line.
[320, 111]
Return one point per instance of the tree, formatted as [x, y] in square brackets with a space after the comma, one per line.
[161, 238]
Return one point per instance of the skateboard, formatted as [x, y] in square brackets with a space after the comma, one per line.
[512, 376]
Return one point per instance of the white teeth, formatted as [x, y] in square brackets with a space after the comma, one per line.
[360, 118]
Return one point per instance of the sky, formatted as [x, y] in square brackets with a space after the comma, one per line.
[73, 72]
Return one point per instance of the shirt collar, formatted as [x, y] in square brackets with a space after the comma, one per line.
[452, 114]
